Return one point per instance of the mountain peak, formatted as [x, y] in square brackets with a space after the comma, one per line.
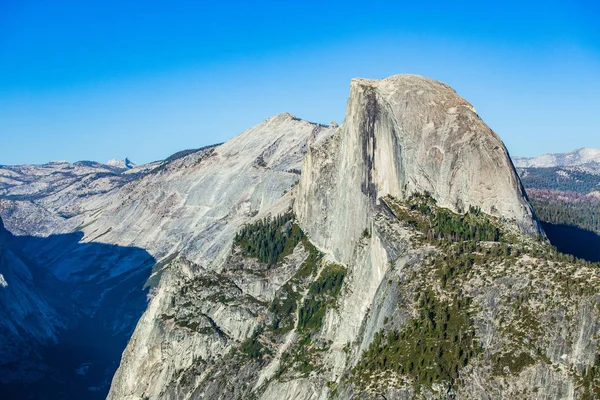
[587, 151]
[402, 135]
[125, 163]
[414, 91]
[283, 116]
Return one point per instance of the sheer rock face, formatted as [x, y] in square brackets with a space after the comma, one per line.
[401, 135]
[193, 205]
[193, 209]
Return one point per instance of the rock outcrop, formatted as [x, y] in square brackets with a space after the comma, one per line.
[191, 211]
[121, 164]
[402, 135]
[238, 328]
[394, 256]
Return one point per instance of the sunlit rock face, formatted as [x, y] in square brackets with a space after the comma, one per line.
[209, 327]
[85, 224]
[402, 135]
[193, 205]
[192, 209]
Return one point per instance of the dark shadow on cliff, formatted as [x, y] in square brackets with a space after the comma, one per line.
[98, 291]
[573, 240]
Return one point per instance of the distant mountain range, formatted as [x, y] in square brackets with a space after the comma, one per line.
[586, 156]
[564, 189]
[575, 171]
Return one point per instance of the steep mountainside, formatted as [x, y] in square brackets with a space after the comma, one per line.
[27, 317]
[567, 202]
[63, 334]
[394, 256]
[240, 179]
[406, 263]
[191, 204]
[403, 135]
[566, 199]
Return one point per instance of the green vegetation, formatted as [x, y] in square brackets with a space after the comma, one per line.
[567, 209]
[590, 381]
[450, 232]
[252, 346]
[322, 294]
[515, 363]
[559, 178]
[284, 306]
[270, 239]
[439, 224]
[431, 348]
[311, 314]
[283, 309]
[304, 356]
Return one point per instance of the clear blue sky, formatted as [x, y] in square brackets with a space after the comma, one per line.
[93, 80]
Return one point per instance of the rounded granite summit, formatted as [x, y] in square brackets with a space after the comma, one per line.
[402, 135]
[409, 93]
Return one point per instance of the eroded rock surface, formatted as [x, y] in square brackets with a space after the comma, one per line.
[377, 269]
[392, 256]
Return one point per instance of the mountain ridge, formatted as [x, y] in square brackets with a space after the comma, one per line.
[577, 157]
[393, 255]
[409, 133]
[350, 279]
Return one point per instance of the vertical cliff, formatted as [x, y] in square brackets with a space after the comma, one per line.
[191, 211]
[405, 264]
[406, 134]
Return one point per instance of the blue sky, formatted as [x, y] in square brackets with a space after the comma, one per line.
[86, 80]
